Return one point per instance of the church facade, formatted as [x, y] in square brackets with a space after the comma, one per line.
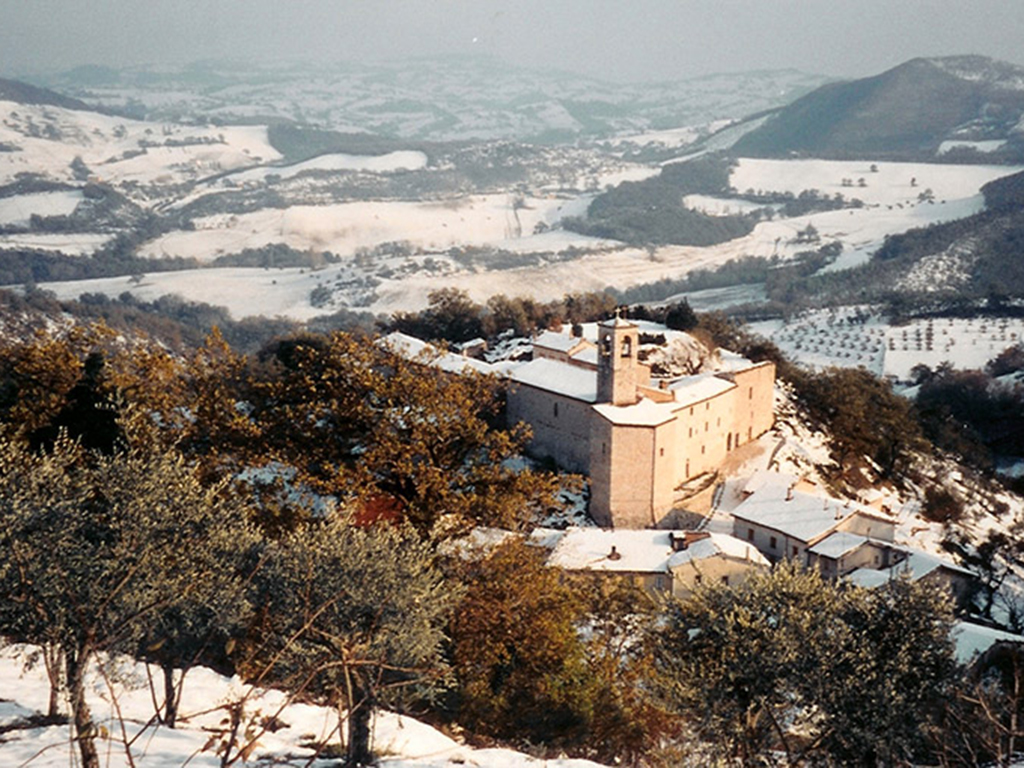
[593, 410]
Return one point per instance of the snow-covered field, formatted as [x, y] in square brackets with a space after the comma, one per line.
[400, 741]
[493, 220]
[71, 243]
[17, 210]
[389, 163]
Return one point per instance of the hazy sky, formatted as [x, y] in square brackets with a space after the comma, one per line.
[621, 40]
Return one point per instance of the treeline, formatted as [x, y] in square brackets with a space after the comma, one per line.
[451, 316]
[651, 212]
[275, 255]
[132, 521]
[171, 321]
[300, 142]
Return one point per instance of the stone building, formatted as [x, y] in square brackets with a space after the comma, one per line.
[637, 442]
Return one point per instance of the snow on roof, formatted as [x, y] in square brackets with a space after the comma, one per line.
[803, 516]
[717, 544]
[586, 355]
[837, 544]
[767, 481]
[643, 551]
[973, 639]
[412, 348]
[558, 377]
[558, 341]
[617, 322]
[916, 565]
[694, 389]
[547, 538]
[645, 413]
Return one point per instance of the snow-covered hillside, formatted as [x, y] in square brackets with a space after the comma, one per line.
[284, 731]
[46, 140]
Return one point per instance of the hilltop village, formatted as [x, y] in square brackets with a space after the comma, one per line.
[645, 441]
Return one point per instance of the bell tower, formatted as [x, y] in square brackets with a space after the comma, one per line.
[617, 365]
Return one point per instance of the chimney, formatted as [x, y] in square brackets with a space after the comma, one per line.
[614, 554]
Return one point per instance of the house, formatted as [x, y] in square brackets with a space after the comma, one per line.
[593, 409]
[788, 526]
[918, 566]
[660, 561]
[841, 539]
[705, 557]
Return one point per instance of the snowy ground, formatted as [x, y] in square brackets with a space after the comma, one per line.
[400, 741]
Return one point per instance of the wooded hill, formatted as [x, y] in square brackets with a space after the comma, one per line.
[906, 112]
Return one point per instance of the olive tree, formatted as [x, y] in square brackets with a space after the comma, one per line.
[95, 548]
[353, 616]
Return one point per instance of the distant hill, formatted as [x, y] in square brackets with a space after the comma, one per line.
[23, 93]
[437, 98]
[965, 107]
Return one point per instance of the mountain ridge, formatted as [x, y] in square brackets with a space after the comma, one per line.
[908, 111]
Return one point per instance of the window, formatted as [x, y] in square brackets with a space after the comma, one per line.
[773, 543]
[691, 410]
[718, 423]
[604, 448]
[750, 534]
[725, 579]
[606, 345]
[702, 450]
[556, 410]
[696, 579]
[705, 426]
[691, 431]
[687, 467]
[707, 406]
[661, 451]
[750, 393]
[627, 347]
[795, 551]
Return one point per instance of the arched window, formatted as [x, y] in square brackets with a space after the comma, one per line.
[627, 347]
[606, 345]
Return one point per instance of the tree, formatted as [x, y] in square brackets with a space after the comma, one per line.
[788, 661]
[93, 547]
[681, 317]
[865, 416]
[450, 315]
[351, 615]
[516, 652]
[364, 424]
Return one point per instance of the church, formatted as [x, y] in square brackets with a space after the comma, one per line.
[594, 410]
